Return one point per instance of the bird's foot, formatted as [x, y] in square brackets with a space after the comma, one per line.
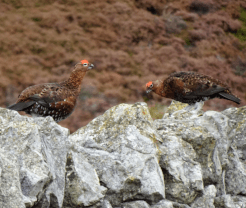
[194, 107]
[189, 111]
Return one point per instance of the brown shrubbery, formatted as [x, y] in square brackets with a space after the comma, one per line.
[129, 42]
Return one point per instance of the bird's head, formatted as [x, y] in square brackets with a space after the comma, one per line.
[84, 65]
[151, 86]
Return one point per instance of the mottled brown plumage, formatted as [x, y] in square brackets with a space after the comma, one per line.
[53, 99]
[191, 87]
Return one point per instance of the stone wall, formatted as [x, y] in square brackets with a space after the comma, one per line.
[125, 159]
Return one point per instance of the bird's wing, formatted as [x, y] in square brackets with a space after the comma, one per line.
[47, 95]
[230, 97]
[191, 87]
[205, 91]
[20, 106]
[44, 93]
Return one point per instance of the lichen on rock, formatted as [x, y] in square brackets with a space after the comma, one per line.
[123, 158]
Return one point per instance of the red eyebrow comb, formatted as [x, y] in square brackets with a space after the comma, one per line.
[84, 62]
[148, 84]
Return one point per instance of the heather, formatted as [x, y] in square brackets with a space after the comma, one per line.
[129, 42]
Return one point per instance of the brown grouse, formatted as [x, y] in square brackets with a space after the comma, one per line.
[191, 87]
[53, 99]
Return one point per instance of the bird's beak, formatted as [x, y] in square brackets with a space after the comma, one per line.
[91, 66]
[148, 91]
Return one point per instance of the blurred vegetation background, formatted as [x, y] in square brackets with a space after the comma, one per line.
[130, 42]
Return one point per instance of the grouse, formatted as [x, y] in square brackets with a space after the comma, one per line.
[53, 99]
[191, 87]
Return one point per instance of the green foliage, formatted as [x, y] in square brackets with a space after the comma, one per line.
[36, 19]
[23, 3]
[184, 34]
[15, 3]
[157, 111]
[37, 49]
[239, 67]
[241, 33]
[187, 41]
[240, 71]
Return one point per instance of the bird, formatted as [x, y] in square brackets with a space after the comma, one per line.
[57, 100]
[191, 87]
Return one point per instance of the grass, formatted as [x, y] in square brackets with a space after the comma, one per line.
[37, 50]
[15, 3]
[157, 111]
[36, 19]
[184, 34]
[241, 33]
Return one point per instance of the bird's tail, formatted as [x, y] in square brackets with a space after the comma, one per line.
[20, 106]
[230, 97]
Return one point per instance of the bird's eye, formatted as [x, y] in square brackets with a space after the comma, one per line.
[85, 64]
[151, 85]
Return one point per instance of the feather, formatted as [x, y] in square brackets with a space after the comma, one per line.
[20, 106]
[230, 97]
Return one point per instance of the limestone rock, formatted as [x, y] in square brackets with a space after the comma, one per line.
[10, 189]
[163, 204]
[235, 177]
[183, 175]
[135, 204]
[125, 159]
[206, 133]
[224, 201]
[207, 200]
[239, 201]
[122, 146]
[106, 204]
[82, 183]
[39, 144]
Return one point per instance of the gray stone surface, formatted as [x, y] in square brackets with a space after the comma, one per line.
[106, 204]
[82, 183]
[122, 146]
[239, 201]
[235, 177]
[125, 159]
[135, 204]
[54, 149]
[10, 189]
[224, 201]
[163, 204]
[183, 175]
[40, 148]
[208, 135]
[207, 200]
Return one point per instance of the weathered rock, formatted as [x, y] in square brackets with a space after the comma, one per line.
[224, 201]
[106, 204]
[235, 177]
[207, 200]
[121, 146]
[10, 189]
[135, 204]
[239, 201]
[183, 176]
[119, 158]
[207, 133]
[82, 183]
[163, 204]
[178, 205]
[53, 140]
[39, 144]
